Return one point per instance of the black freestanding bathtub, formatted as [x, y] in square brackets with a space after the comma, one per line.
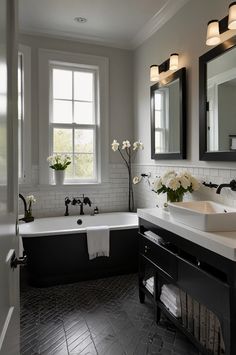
[57, 252]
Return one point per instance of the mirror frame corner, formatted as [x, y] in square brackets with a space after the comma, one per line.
[181, 75]
[205, 155]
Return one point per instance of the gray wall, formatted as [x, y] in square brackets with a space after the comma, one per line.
[185, 34]
[120, 85]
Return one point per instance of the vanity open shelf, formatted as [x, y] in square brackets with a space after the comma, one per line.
[207, 278]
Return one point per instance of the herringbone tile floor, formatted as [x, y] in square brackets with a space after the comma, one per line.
[102, 317]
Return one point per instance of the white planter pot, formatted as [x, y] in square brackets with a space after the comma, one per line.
[59, 177]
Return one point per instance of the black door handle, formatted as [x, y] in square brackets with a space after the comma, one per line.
[18, 262]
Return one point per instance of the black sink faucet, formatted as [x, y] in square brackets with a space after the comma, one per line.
[232, 185]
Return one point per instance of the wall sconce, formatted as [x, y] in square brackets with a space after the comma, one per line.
[174, 61]
[170, 64]
[232, 16]
[154, 73]
[215, 28]
[213, 33]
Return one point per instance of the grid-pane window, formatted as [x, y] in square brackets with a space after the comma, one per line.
[160, 122]
[74, 120]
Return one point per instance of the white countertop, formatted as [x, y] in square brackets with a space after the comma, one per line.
[222, 243]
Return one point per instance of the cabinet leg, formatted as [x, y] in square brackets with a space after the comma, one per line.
[158, 314]
[141, 296]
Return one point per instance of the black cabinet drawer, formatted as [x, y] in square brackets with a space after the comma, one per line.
[160, 256]
[205, 288]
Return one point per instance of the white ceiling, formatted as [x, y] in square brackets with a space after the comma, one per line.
[121, 23]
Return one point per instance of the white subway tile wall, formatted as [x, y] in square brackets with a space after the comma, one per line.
[113, 195]
[109, 196]
[146, 198]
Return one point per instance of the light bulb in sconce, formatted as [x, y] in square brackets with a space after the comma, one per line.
[213, 33]
[154, 73]
[174, 61]
[232, 16]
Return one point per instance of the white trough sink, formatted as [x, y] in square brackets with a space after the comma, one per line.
[204, 215]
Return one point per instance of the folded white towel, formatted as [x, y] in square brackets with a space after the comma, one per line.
[98, 241]
[150, 288]
[150, 281]
[172, 291]
[175, 300]
[174, 310]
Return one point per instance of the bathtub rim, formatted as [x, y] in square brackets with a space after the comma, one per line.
[77, 230]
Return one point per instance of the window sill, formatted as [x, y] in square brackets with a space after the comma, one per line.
[64, 187]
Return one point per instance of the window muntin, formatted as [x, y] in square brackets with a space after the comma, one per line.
[73, 120]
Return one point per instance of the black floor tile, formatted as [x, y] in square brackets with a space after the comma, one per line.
[99, 317]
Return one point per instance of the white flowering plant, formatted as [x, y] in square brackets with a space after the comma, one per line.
[128, 152]
[30, 199]
[176, 185]
[59, 161]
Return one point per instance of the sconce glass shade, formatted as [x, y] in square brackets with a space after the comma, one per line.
[232, 16]
[213, 33]
[174, 61]
[154, 73]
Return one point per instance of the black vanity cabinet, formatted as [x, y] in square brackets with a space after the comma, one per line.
[205, 278]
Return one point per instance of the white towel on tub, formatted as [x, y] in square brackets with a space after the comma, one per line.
[98, 241]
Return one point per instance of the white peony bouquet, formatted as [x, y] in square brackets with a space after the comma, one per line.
[175, 185]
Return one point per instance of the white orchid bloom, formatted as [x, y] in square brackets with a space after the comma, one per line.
[30, 198]
[138, 145]
[136, 179]
[126, 144]
[115, 145]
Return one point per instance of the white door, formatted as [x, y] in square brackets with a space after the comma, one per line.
[9, 286]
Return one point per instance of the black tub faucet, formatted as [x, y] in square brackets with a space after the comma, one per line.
[67, 202]
[81, 201]
[232, 185]
[85, 201]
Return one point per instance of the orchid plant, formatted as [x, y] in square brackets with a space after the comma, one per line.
[175, 185]
[59, 161]
[128, 153]
[30, 199]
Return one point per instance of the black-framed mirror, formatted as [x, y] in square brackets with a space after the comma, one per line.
[168, 117]
[217, 103]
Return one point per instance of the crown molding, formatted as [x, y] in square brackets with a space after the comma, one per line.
[157, 21]
[63, 35]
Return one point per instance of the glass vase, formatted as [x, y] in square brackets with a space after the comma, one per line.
[174, 196]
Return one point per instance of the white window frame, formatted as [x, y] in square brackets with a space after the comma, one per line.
[26, 125]
[100, 65]
[164, 130]
[74, 126]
